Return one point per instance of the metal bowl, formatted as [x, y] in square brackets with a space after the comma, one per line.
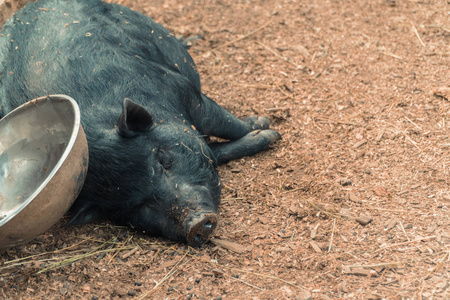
[43, 165]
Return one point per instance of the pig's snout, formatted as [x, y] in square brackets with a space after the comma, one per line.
[201, 229]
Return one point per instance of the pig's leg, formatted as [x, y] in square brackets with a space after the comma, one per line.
[252, 143]
[212, 119]
[247, 137]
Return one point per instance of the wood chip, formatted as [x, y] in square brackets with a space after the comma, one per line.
[360, 143]
[343, 287]
[303, 295]
[294, 209]
[281, 249]
[315, 247]
[352, 197]
[375, 296]
[381, 192]
[359, 272]
[364, 220]
[313, 234]
[302, 50]
[129, 253]
[442, 92]
[380, 135]
[217, 273]
[263, 220]
[235, 247]
[391, 224]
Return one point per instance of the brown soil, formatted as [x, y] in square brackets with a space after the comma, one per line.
[360, 91]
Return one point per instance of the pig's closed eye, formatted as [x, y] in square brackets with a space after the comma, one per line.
[165, 159]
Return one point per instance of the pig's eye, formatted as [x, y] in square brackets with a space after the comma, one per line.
[165, 159]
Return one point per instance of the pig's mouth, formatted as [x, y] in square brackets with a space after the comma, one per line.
[201, 229]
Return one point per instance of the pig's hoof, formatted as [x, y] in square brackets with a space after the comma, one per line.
[263, 137]
[202, 230]
[257, 122]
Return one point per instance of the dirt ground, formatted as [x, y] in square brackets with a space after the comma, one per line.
[352, 203]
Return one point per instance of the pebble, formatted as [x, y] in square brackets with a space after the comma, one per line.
[346, 183]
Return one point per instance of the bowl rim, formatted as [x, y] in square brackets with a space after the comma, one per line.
[65, 154]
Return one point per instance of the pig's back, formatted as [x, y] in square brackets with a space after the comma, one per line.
[84, 48]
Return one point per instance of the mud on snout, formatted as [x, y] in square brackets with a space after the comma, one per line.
[200, 229]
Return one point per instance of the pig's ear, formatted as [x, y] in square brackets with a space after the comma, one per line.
[134, 119]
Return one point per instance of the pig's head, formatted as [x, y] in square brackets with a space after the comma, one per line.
[159, 178]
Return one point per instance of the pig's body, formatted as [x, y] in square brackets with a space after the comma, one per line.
[142, 109]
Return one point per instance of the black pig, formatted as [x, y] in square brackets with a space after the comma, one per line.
[150, 166]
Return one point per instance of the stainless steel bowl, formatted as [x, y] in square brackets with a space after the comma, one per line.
[43, 165]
